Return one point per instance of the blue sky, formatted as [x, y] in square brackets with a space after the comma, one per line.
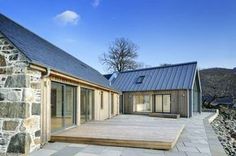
[166, 31]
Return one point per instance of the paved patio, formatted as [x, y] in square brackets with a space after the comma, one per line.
[192, 142]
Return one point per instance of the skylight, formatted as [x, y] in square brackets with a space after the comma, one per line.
[140, 79]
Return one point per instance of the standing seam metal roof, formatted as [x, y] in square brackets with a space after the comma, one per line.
[172, 77]
[41, 52]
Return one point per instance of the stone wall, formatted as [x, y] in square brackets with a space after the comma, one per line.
[19, 102]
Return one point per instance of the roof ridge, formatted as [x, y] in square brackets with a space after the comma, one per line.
[157, 67]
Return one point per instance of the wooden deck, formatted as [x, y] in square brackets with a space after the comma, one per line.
[127, 131]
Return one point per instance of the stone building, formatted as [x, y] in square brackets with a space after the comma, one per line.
[44, 90]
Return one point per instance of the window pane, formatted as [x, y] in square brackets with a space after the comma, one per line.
[69, 105]
[90, 104]
[56, 107]
[147, 103]
[142, 103]
[166, 103]
[86, 105]
[158, 103]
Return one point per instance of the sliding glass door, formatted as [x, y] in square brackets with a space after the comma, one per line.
[142, 103]
[63, 99]
[162, 103]
[86, 105]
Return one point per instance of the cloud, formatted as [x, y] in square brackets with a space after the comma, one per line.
[67, 17]
[96, 3]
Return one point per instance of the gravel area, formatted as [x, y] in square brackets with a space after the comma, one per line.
[226, 131]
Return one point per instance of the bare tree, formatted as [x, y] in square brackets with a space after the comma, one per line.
[165, 64]
[121, 56]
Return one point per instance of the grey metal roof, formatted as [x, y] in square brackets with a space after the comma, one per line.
[41, 52]
[172, 77]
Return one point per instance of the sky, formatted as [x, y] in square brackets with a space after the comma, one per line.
[166, 31]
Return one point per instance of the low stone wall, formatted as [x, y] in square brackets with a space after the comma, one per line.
[20, 98]
[213, 117]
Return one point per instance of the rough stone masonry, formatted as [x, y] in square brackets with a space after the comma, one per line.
[20, 98]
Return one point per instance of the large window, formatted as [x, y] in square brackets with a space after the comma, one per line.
[63, 99]
[162, 103]
[142, 103]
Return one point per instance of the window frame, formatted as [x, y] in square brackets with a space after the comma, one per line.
[140, 79]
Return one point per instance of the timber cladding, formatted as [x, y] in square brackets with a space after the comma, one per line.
[178, 103]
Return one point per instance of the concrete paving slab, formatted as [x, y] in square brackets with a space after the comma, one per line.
[197, 154]
[43, 152]
[167, 153]
[111, 153]
[55, 146]
[67, 151]
[86, 154]
[94, 149]
[188, 149]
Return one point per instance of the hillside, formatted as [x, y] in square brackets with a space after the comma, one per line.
[218, 83]
[219, 87]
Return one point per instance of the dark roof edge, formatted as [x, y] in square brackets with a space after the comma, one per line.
[173, 65]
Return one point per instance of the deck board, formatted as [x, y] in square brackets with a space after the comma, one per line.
[127, 131]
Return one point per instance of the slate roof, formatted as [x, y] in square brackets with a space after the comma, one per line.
[41, 52]
[171, 77]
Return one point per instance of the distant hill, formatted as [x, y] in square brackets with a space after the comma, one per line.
[218, 83]
[234, 70]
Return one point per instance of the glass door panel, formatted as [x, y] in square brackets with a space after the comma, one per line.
[90, 105]
[158, 103]
[69, 106]
[86, 105]
[166, 103]
[147, 103]
[83, 105]
[56, 107]
[63, 99]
